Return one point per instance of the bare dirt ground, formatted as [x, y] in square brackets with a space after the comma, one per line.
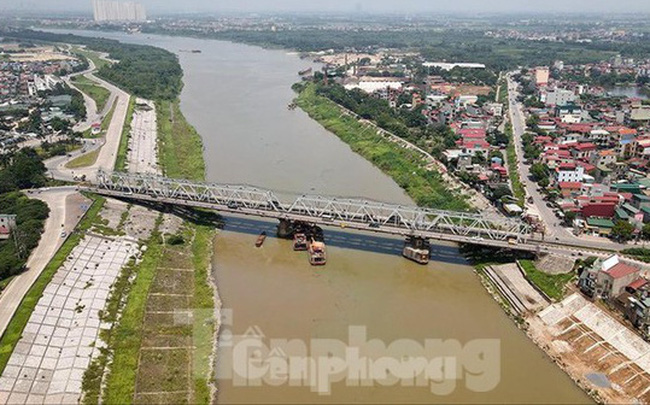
[602, 355]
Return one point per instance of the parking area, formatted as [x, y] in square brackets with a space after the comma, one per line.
[61, 337]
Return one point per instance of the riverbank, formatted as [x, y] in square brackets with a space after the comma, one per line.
[159, 325]
[406, 167]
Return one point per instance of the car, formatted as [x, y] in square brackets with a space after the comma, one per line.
[64, 234]
[374, 225]
[233, 205]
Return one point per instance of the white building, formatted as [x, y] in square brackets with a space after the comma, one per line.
[108, 10]
[570, 172]
[450, 66]
[558, 97]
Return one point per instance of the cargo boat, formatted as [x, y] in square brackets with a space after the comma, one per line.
[260, 239]
[300, 242]
[417, 249]
[420, 256]
[317, 254]
[305, 72]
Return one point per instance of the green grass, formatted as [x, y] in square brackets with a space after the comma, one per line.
[181, 156]
[123, 149]
[85, 160]
[502, 97]
[92, 89]
[406, 167]
[126, 336]
[181, 147]
[93, 56]
[15, 328]
[552, 285]
[642, 254]
[204, 322]
[518, 190]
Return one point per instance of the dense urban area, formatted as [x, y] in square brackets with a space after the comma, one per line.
[543, 121]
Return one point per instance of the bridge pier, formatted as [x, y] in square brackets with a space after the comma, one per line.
[287, 227]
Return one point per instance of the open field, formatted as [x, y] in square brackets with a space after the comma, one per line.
[85, 160]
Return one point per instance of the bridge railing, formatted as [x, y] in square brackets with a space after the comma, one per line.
[343, 210]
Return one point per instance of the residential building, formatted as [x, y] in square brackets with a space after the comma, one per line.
[558, 97]
[7, 223]
[569, 172]
[607, 278]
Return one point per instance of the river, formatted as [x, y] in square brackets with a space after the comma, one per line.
[236, 96]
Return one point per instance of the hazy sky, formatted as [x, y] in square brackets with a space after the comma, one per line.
[155, 6]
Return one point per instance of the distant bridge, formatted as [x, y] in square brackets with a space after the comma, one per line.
[358, 214]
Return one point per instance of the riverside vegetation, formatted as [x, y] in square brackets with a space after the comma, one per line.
[406, 167]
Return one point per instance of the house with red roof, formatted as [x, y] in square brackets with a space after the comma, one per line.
[570, 188]
[614, 278]
[582, 150]
[607, 278]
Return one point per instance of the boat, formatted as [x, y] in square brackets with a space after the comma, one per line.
[260, 239]
[196, 51]
[417, 249]
[317, 254]
[300, 242]
[420, 256]
[305, 72]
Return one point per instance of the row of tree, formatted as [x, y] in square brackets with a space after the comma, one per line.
[20, 170]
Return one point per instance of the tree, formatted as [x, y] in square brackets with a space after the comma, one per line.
[569, 216]
[539, 171]
[645, 231]
[500, 192]
[622, 231]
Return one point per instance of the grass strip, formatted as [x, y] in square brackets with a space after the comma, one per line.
[518, 190]
[551, 284]
[123, 149]
[93, 90]
[126, 336]
[180, 146]
[85, 160]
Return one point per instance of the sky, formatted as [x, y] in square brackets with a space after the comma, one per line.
[372, 6]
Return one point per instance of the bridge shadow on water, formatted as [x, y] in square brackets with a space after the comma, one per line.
[346, 239]
[336, 237]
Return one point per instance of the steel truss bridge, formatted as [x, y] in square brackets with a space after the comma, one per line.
[349, 213]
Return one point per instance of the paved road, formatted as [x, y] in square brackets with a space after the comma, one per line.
[555, 231]
[109, 144]
[51, 240]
